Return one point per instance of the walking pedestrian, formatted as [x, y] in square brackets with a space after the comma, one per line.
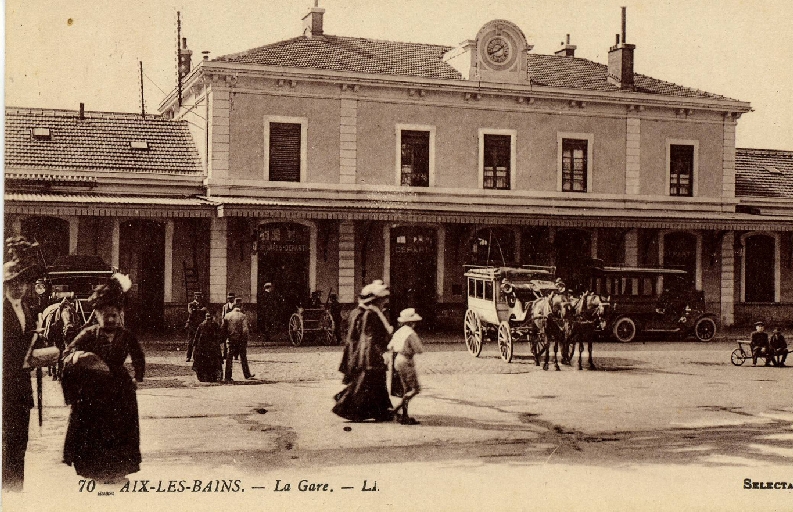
[195, 316]
[103, 435]
[229, 305]
[363, 362]
[335, 312]
[19, 273]
[235, 330]
[208, 361]
[759, 344]
[406, 344]
[778, 347]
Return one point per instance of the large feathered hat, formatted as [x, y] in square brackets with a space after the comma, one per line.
[111, 293]
[22, 261]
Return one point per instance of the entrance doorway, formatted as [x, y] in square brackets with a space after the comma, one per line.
[680, 252]
[283, 252]
[142, 255]
[413, 272]
[573, 255]
[492, 246]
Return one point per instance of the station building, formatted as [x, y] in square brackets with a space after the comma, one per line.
[323, 162]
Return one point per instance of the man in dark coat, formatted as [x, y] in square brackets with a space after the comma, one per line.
[208, 363]
[235, 329]
[759, 344]
[195, 315]
[268, 310]
[778, 347]
[19, 325]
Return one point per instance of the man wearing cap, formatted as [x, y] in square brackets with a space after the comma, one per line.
[19, 274]
[195, 315]
[268, 309]
[760, 344]
[235, 330]
[228, 306]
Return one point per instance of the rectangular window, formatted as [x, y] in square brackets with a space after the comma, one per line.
[415, 158]
[574, 165]
[681, 170]
[497, 153]
[285, 149]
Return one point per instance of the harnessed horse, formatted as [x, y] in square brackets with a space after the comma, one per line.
[60, 322]
[550, 317]
[587, 314]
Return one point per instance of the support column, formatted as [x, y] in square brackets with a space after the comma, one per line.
[593, 244]
[632, 248]
[387, 254]
[348, 140]
[255, 269]
[168, 268]
[346, 262]
[552, 245]
[115, 242]
[728, 279]
[633, 156]
[219, 136]
[218, 255]
[440, 261]
[74, 229]
[728, 158]
[518, 240]
[16, 225]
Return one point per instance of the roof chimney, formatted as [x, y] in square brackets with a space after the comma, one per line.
[621, 60]
[312, 22]
[185, 56]
[82, 111]
[567, 49]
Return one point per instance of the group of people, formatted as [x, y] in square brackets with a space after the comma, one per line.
[774, 349]
[373, 351]
[103, 435]
[209, 345]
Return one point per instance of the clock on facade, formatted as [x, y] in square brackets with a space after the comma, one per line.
[498, 50]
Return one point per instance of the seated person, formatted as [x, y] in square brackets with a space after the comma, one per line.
[760, 347]
[778, 348]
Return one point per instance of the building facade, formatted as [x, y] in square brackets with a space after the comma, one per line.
[324, 162]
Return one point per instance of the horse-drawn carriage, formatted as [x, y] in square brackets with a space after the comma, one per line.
[510, 304]
[314, 321]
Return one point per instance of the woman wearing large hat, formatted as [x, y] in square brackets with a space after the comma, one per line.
[103, 436]
[366, 395]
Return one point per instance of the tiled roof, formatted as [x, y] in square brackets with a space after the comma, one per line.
[763, 173]
[99, 142]
[337, 53]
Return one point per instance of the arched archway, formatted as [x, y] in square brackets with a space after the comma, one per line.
[760, 267]
[142, 256]
[492, 246]
[51, 233]
[284, 256]
[681, 250]
[413, 270]
[573, 250]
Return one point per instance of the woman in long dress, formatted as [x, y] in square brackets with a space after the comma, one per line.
[366, 395]
[103, 436]
[208, 356]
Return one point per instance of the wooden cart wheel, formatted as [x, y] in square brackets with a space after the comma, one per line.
[738, 357]
[505, 341]
[473, 333]
[328, 333]
[296, 329]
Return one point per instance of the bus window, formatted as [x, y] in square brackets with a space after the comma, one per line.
[489, 290]
[480, 286]
[470, 287]
[647, 286]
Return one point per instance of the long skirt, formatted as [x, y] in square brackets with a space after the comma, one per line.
[366, 397]
[103, 436]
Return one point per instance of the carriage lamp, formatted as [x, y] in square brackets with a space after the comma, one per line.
[40, 287]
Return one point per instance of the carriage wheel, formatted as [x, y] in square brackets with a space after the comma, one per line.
[473, 333]
[505, 341]
[705, 329]
[624, 330]
[738, 357]
[296, 329]
[328, 336]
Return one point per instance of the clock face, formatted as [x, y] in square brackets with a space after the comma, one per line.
[498, 50]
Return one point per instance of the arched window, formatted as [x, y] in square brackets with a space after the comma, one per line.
[760, 268]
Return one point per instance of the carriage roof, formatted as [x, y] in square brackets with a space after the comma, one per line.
[638, 271]
[523, 273]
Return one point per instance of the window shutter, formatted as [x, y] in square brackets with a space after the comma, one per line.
[284, 152]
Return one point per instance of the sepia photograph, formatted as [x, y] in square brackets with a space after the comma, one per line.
[397, 255]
